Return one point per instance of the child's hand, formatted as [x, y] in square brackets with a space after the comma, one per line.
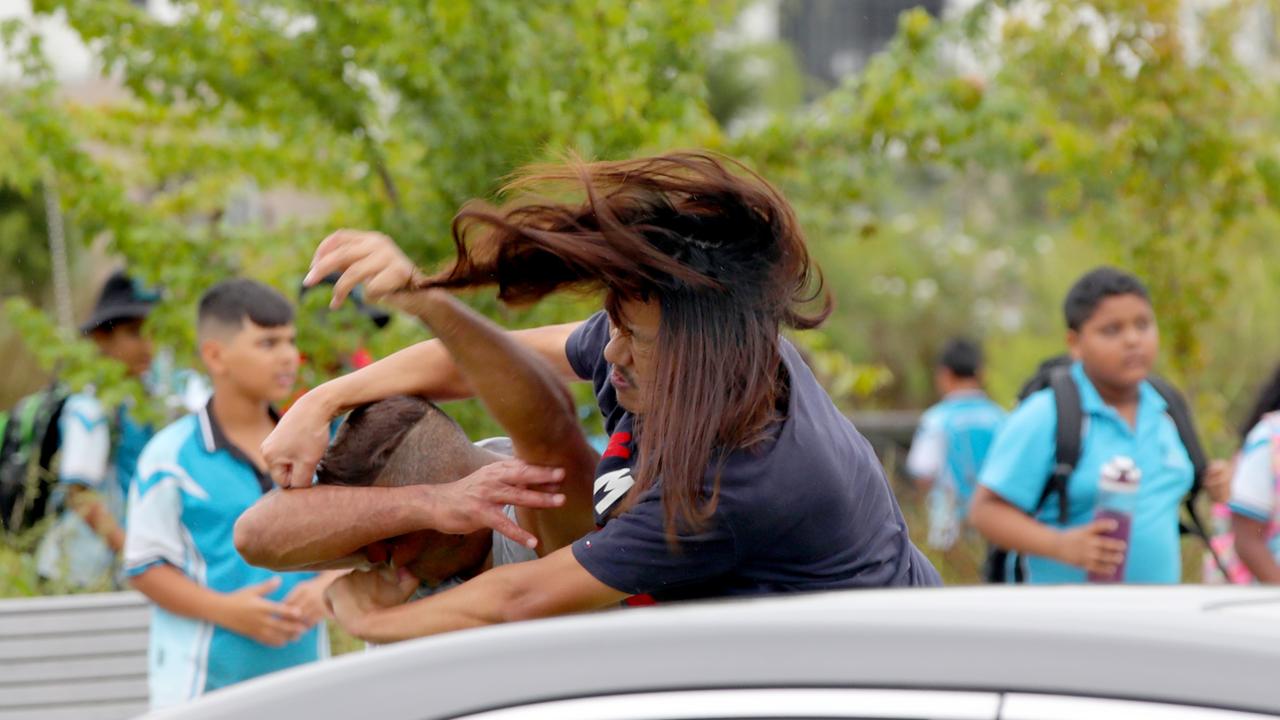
[1217, 480]
[308, 598]
[1088, 547]
[248, 612]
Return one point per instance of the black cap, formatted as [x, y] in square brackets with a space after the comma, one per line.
[377, 316]
[122, 298]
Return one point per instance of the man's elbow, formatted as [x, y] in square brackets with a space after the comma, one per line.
[248, 538]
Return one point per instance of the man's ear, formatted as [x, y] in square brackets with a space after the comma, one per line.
[212, 354]
[1073, 343]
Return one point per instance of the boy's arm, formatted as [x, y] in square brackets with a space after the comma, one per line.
[84, 466]
[246, 612]
[1009, 527]
[526, 396]
[89, 505]
[1251, 546]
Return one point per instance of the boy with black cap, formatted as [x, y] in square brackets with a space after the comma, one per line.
[99, 449]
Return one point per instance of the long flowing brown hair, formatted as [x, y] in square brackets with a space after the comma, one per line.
[713, 243]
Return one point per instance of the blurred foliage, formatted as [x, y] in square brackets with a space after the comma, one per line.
[388, 115]
[978, 165]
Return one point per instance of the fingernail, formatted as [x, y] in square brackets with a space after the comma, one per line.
[558, 473]
[557, 499]
[531, 543]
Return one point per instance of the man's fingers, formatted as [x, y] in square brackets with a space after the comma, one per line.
[359, 270]
[325, 249]
[280, 472]
[518, 473]
[504, 525]
[292, 473]
[532, 498]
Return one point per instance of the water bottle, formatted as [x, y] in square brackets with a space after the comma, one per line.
[1117, 501]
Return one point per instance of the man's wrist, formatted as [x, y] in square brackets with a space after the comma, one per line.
[324, 399]
[426, 506]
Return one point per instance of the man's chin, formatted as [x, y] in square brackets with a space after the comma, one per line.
[629, 402]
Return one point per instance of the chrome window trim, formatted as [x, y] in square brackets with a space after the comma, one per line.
[1027, 706]
[744, 703]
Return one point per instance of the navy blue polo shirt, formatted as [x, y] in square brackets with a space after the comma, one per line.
[808, 509]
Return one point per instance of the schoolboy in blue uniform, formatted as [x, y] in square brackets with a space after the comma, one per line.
[218, 619]
[99, 449]
[952, 441]
[1114, 340]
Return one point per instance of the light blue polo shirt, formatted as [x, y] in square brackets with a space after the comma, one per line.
[192, 485]
[953, 440]
[70, 551]
[1022, 456]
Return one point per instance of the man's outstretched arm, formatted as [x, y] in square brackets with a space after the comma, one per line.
[373, 608]
[293, 529]
[526, 396]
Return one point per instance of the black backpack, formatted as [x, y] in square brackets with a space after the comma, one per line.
[1055, 373]
[29, 441]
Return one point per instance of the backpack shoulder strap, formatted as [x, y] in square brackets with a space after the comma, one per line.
[1066, 397]
[1180, 413]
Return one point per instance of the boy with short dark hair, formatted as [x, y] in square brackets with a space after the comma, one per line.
[1113, 338]
[218, 619]
[952, 440]
[98, 449]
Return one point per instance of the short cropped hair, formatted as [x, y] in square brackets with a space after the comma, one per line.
[962, 357]
[229, 303]
[1095, 286]
[401, 440]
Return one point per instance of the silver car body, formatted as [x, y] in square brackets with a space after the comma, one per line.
[1014, 653]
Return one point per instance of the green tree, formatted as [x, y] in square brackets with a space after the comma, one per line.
[992, 156]
[391, 114]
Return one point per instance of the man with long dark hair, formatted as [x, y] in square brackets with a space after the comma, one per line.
[729, 470]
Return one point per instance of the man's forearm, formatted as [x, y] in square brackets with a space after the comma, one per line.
[550, 586]
[527, 397]
[291, 529]
[424, 369]
[428, 370]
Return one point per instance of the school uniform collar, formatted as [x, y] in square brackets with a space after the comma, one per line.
[966, 394]
[1149, 400]
[215, 440]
